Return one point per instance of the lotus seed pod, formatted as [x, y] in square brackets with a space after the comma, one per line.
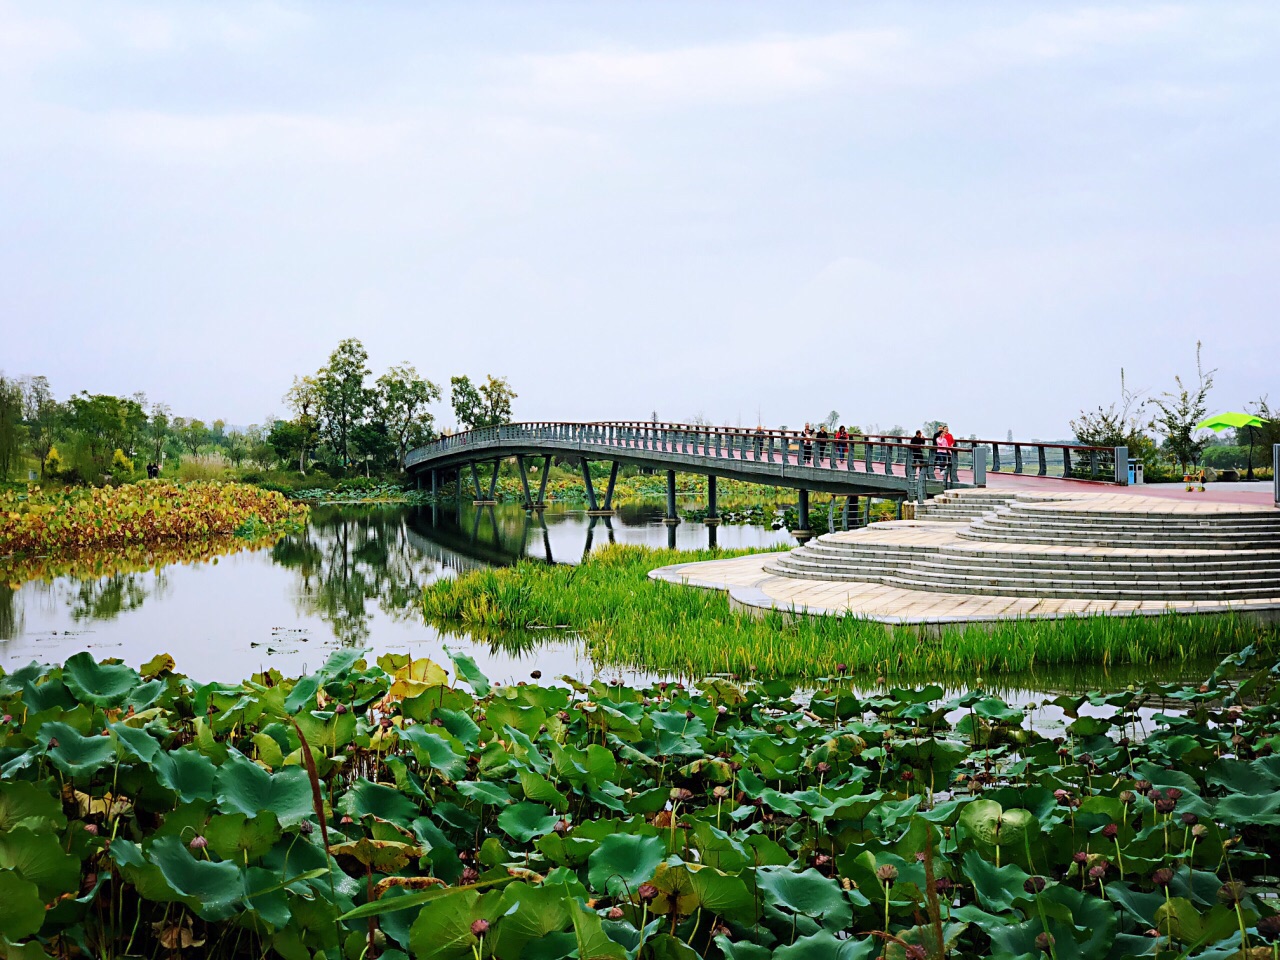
[1199, 831]
[340, 709]
[908, 775]
[842, 668]
[1142, 786]
[1231, 892]
[615, 913]
[914, 951]
[1080, 856]
[561, 827]
[1190, 819]
[1044, 942]
[1269, 928]
[198, 842]
[1098, 871]
[1110, 831]
[887, 872]
[536, 674]
[1162, 877]
[722, 709]
[305, 828]
[823, 767]
[479, 927]
[1127, 797]
[720, 792]
[943, 884]
[1033, 884]
[469, 875]
[647, 893]
[53, 743]
[1173, 793]
[1165, 805]
[91, 829]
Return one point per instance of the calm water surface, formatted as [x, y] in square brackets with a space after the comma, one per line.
[351, 578]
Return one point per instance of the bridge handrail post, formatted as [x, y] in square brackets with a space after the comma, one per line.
[1093, 464]
[1066, 462]
[995, 457]
[1044, 465]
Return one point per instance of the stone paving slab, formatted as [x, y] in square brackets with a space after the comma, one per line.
[750, 586]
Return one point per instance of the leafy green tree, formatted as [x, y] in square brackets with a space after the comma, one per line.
[1179, 412]
[303, 398]
[289, 439]
[103, 423]
[41, 412]
[157, 431]
[487, 406]
[194, 435]
[403, 397]
[11, 430]
[343, 397]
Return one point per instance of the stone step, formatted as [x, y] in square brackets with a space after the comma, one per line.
[1098, 518]
[947, 566]
[1054, 509]
[1127, 542]
[976, 549]
[993, 524]
[914, 579]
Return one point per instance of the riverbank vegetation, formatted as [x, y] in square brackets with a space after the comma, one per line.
[39, 521]
[627, 619]
[386, 810]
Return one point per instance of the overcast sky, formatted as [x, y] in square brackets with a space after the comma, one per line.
[977, 212]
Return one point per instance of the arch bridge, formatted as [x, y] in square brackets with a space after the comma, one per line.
[876, 466]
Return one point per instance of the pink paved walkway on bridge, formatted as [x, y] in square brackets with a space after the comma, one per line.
[1258, 494]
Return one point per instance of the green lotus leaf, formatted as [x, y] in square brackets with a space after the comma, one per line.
[21, 907]
[485, 792]
[364, 798]
[925, 936]
[243, 786]
[235, 837]
[214, 889]
[468, 671]
[187, 773]
[823, 945]
[593, 942]
[525, 821]
[39, 858]
[1244, 809]
[29, 804]
[993, 708]
[529, 914]
[76, 755]
[992, 825]
[663, 946]
[996, 887]
[746, 950]
[103, 685]
[135, 742]
[442, 930]
[807, 892]
[538, 788]
[435, 752]
[621, 862]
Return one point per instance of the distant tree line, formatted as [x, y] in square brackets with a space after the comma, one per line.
[1160, 430]
[341, 421]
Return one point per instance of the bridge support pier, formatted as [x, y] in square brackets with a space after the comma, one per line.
[435, 484]
[524, 482]
[804, 533]
[671, 519]
[713, 515]
[608, 491]
[475, 479]
[541, 502]
[593, 508]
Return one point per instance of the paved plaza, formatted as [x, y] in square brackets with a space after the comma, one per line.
[991, 555]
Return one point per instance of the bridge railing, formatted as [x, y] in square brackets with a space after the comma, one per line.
[968, 461]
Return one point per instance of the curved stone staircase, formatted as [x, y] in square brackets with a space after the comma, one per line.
[1087, 547]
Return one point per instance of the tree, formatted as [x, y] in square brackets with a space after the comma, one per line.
[343, 398]
[104, 423]
[1180, 411]
[403, 397]
[194, 434]
[1112, 427]
[303, 398]
[289, 440]
[488, 406]
[40, 411]
[10, 425]
[157, 431]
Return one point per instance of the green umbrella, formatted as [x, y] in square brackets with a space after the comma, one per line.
[1224, 421]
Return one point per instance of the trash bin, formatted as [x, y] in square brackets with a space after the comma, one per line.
[1135, 472]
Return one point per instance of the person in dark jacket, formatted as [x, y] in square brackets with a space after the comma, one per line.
[822, 442]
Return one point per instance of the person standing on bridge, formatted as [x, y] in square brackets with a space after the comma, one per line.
[759, 441]
[945, 444]
[806, 444]
[842, 444]
[917, 451]
[822, 443]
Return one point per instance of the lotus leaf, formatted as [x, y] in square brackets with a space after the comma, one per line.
[468, 671]
[187, 773]
[234, 836]
[243, 786]
[211, 889]
[364, 798]
[526, 821]
[24, 803]
[806, 892]
[75, 755]
[621, 862]
[103, 685]
[21, 906]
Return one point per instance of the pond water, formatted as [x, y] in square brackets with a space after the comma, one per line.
[350, 579]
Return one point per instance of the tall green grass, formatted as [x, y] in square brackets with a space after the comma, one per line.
[630, 620]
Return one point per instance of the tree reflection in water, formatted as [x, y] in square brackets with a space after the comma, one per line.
[348, 556]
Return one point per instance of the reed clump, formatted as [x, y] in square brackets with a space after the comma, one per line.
[629, 620]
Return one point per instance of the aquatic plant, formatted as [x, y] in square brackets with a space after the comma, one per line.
[625, 618]
[40, 521]
[386, 809]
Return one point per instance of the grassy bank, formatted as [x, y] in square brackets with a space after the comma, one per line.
[630, 620]
[386, 810]
[45, 522]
